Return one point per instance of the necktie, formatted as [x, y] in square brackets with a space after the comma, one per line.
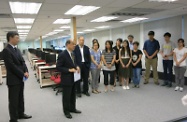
[72, 57]
[16, 51]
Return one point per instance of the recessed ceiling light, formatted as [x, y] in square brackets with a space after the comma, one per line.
[24, 7]
[23, 33]
[62, 21]
[80, 32]
[24, 20]
[58, 30]
[101, 27]
[104, 18]
[89, 30]
[23, 30]
[24, 27]
[163, 0]
[81, 10]
[65, 27]
[136, 19]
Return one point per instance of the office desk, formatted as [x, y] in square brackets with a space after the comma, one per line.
[37, 65]
[3, 68]
[45, 82]
[1, 79]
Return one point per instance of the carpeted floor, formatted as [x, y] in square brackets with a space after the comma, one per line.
[149, 103]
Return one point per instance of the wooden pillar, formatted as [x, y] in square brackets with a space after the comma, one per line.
[73, 29]
[41, 47]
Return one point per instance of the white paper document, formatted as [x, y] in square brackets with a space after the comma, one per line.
[77, 76]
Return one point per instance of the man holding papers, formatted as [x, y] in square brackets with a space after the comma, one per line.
[66, 64]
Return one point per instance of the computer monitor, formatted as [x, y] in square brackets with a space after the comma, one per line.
[39, 53]
[50, 58]
[43, 55]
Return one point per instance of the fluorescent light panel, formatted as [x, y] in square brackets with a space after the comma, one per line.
[65, 27]
[24, 27]
[24, 7]
[89, 30]
[104, 18]
[136, 19]
[101, 27]
[81, 10]
[22, 33]
[163, 0]
[58, 30]
[23, 20]
[23, 30]
[62, 21]
[80, 32]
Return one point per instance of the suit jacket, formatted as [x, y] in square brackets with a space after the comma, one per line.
[87, 57]
[64, 63]
[15, 65]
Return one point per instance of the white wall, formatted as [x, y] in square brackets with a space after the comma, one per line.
[172, 25]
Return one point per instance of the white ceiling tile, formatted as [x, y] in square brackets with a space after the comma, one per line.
[170, 6]
[147, 4]
[63, 1]
[124, 3]
[95, 2]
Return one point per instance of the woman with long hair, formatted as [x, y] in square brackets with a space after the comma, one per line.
[125, 70]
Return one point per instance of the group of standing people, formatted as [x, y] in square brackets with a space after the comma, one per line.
[122, 62]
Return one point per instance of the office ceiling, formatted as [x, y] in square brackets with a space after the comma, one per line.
[52, 10]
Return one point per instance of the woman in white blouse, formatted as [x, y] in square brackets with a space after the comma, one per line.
[180, 54]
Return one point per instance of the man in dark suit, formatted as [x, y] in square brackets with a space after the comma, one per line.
[83, 59]
[16, 71]
[66, 64]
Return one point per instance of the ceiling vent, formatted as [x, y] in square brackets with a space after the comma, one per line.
[5, 15]
[135, 12]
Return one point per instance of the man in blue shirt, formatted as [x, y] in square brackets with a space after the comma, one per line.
[151, 48]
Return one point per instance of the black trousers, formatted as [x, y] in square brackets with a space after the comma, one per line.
[69, 98]
[84, 77]
[16, 101]
[106, 73]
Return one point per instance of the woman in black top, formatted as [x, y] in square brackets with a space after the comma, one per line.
[136, 64]
[117, 61]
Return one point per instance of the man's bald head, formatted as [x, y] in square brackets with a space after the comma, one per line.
[70, 45]
[81, 40]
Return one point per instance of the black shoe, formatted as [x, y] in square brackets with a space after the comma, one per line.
[165, 83]
[68, 116]
[87, 94]
[157, 83]
[146, 82]
[13, 121]
[25, 116]
[134, 86]
[76, 111]
[137, 86]
[79, 95]
[169, 85]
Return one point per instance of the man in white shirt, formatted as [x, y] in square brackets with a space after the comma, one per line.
[82, 54]
[131, 40]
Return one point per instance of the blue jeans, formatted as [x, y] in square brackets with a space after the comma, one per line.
[168, 70]
[136, 75]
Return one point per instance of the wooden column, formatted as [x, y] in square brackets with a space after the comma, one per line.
[41, 47]
[73, 29]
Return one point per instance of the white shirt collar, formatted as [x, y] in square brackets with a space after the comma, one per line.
[12, 45]
[80, 46]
